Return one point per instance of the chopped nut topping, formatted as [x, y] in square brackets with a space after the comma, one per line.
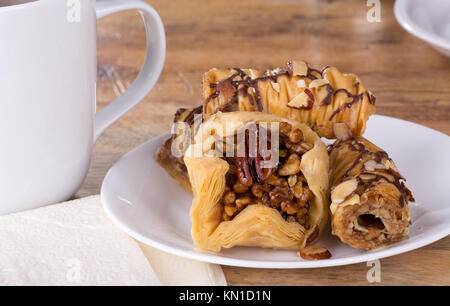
[299, 68]
[229, 198]
[276, 181]
[279, 194]
[301, 148]
[285, 128]
[304, 100]
[298, 189]
[289, 207]
[243, 201]
[292, 165]
[240, 188]
[304, 196]
[282, 153]
[292, 180]
[296, 136]
[230, 210]
[284, 188]
[257, 190]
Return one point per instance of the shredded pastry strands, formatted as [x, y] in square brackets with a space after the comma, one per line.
[243, 218]
[297, 92]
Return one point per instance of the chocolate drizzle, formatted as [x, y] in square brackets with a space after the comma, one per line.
[241, 87]
[378, 156]
[355, 99]
[189, 118]
[329, 97]
[239, 83]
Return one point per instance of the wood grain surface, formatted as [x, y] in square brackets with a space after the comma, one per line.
[409, 79]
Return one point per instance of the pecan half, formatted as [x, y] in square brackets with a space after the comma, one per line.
[243, 171]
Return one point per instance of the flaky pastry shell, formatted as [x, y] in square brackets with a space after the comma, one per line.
[369, 206]
[297, 92]
[256, 225]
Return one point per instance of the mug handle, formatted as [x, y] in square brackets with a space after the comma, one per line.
[153, 64]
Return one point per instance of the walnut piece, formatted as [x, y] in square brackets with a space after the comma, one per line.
[291, 167]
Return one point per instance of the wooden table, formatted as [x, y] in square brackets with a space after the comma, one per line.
[409, 79]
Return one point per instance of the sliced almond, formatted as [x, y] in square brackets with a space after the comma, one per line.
[315, 252]
[367, 177]
[304, 100]
[387, 177]
[299, 68]
[371, 165]
[340, 192]
[389, 164]
[352, 200]
[275, 86]
[342, 131]
[317, 83]
[301, 83]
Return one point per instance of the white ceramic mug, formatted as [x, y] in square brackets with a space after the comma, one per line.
[48, 71]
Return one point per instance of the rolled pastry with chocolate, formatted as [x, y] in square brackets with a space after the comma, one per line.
[297, 92]
[174, 164]
[240, 200]
[369, 199]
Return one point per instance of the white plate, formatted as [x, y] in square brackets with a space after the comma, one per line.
[426, 19]
[146, 203]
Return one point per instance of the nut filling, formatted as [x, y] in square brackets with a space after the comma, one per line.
[282, 187]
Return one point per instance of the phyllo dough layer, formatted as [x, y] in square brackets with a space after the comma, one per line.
[284, 207]
[369, 200]
[297, 92]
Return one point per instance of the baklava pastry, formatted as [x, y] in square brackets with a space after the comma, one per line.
[245, 196]
[174, 163]
[369, 199]
[297, 92]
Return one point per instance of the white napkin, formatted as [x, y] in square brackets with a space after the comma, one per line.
[74, 243]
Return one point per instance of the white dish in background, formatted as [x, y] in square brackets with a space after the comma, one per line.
[146, 203]
[428, 20]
